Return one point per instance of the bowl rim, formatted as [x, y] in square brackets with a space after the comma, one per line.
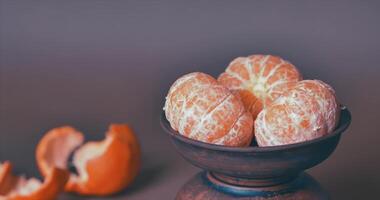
[345, 115]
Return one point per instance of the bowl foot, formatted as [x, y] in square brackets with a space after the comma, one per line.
[207, 186]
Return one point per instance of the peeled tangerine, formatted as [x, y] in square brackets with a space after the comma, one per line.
[103, 167]
[20, 188]
[307, 111]
[199, 108]
[259, 80]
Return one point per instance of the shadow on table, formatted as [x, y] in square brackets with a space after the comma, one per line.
[151, 172]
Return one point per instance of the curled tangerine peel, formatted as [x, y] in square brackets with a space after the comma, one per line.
[259, 79]
[20, 188]
[109, 169]
[199, 108]
[307, 111]
[6, 178]
[103, 167]
[56, 147]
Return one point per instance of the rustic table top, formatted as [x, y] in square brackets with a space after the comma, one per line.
[90, 63]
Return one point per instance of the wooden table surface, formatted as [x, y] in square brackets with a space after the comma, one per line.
[91, 63]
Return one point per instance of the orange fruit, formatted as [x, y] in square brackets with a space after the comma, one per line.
[103, 167]
[20, 188]
[199, 108]
[259, 80]
[306, 111]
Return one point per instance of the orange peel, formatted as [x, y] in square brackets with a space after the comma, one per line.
[103, 167]
[20, 188]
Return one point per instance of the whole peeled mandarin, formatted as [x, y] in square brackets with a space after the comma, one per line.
[306, 111]
[199, 108]
[259, 80]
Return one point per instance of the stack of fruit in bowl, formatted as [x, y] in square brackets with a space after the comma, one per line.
[259, 97]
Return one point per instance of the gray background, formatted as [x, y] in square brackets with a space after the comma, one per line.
[90, 63]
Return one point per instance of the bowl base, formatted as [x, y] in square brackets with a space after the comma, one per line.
[207, 186]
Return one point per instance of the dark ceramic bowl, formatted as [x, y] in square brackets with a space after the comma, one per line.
[264, 165]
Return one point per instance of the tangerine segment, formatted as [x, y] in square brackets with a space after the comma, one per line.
[259, 79]
[20, 188]
[199, 108]
[108, 166]
[307, 111]
[240, 134]
[103, 167]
